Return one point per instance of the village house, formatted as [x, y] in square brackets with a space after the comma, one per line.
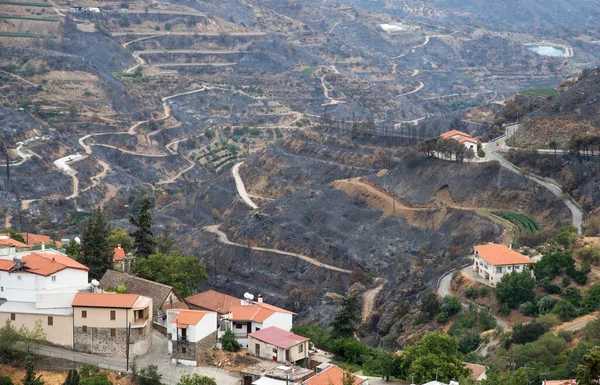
[279, 345]
[492, 261]
[36, 239]
[478, 371]
[191, 334]
[121, 261]
[333, 375]
[39, 288]
[251, 316]
[213, 301]
[560, 382]
[462, 137]
[104, 323]
[10, 247]
[164, 297]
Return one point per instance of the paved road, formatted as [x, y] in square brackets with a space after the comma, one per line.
[214, 229]
[241, 189]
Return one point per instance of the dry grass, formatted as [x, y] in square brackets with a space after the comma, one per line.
[16, 374]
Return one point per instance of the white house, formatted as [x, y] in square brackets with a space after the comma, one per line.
[39, 288]
[251, 316]
[462, 137]
[279, 345]
[492, 261]
[191, 334]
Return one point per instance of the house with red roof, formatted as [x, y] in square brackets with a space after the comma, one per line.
[212, 300]
[462, 137]
[251, 316]
[492, 261]
[121, 261]
[191, 334]
[103, 322]
[333, 375]
[39, 287]
[273, 343]
[9, 247]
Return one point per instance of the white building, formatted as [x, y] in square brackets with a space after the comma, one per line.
[251, 316]
[492, 261]
[279, 345]
[191, 334]
[39, 288]
[462, 137]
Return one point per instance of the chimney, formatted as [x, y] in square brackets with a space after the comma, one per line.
[11, 250]
[260, 298]
[43, 245]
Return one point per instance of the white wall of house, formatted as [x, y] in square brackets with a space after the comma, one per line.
[59, 333]
[494, 273]
[17, 286]
[281, 320]
[275, 353]
[194, 333]
[67, 278]
[48, 299]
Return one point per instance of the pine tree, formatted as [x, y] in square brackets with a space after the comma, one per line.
[165, 241]
[94, 245]
[143, 239]
[30, 376]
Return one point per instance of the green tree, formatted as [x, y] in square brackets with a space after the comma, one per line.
[73, 250]
[515, 289]
[229, 342]
[567, 235]
[165, 241]
[347, 319]
[565, 310]
[96, 253]
[31, 377]
[149, 376]
[183, 272]
[90, 375]
[347, 378]
[433, 353]
[196, 379]
[143, 238]
[589, 371]
[430, 304]
[4, 380]
[72, 377]
[9, 337]
[118, 236]
[32, 339]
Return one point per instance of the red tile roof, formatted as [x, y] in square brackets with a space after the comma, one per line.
[560, 382]
[477, 370]
[467, 139]
[118, 253]
[44, 264]
[274, 308]
[213, 300]
[188, 317]
[332, 375]
[249, 313]
[278, 337]
[111, 300]
[6, 242]
[452, 133]
[34, 239]
[497, 255]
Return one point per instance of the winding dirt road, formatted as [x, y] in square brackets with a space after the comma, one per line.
[214, 229]
[241, 189]
[369, 297]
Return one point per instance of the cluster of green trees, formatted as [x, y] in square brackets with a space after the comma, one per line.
[16, 341]
[157, 258]
[447, 148]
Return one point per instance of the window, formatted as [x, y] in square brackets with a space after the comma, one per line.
[84, 314]
[19, 277]
[257, 329]
[13, 316]
[301, 348]
[517, 267]
[257, 349]
[50, 321]
[2, 288]
[113, 315]
[498, 270]
[183, 350]
[140, 331]
[239, 326]
[54, 278]
[113, 332]
[84, 329]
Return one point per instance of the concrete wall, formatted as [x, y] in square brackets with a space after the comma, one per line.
[60, 333]
[22, 286]
[281, 320]
[100, 317]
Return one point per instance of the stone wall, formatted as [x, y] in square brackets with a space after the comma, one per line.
[99, 341]
[185, 350]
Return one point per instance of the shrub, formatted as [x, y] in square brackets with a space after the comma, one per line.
[471, 292]
[442, 318]
[515, 289]
[573, 295]
[168, 26]
[5, 380]
[565, 310]
[149, 376]
[527, 333]
[546, 303]
[566, 281]
[504, 310]
[450, 305]
[486, 321]
[229, 342]
[528, 309]
[484, 291]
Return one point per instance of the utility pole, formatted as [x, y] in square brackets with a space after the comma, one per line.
[128, 336]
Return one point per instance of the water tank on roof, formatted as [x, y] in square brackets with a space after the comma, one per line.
[248, 296]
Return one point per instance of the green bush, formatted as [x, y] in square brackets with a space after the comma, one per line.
[527, 333]
[565, 310]
[504, 310]
[471, 292]
[149, 376]
[528, 309]
[442, 318]
[484, 291]
[450, 305]
[229, 342]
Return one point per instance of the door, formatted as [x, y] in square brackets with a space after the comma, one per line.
[249, 327]
[257, 350]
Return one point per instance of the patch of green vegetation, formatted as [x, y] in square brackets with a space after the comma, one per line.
[309, 70]
[28, 18]
[545, 92]
[525, 223]
[21, 34]
[25, 4]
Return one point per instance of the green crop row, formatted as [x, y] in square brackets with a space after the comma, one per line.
[524, 222]
[25, 4]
